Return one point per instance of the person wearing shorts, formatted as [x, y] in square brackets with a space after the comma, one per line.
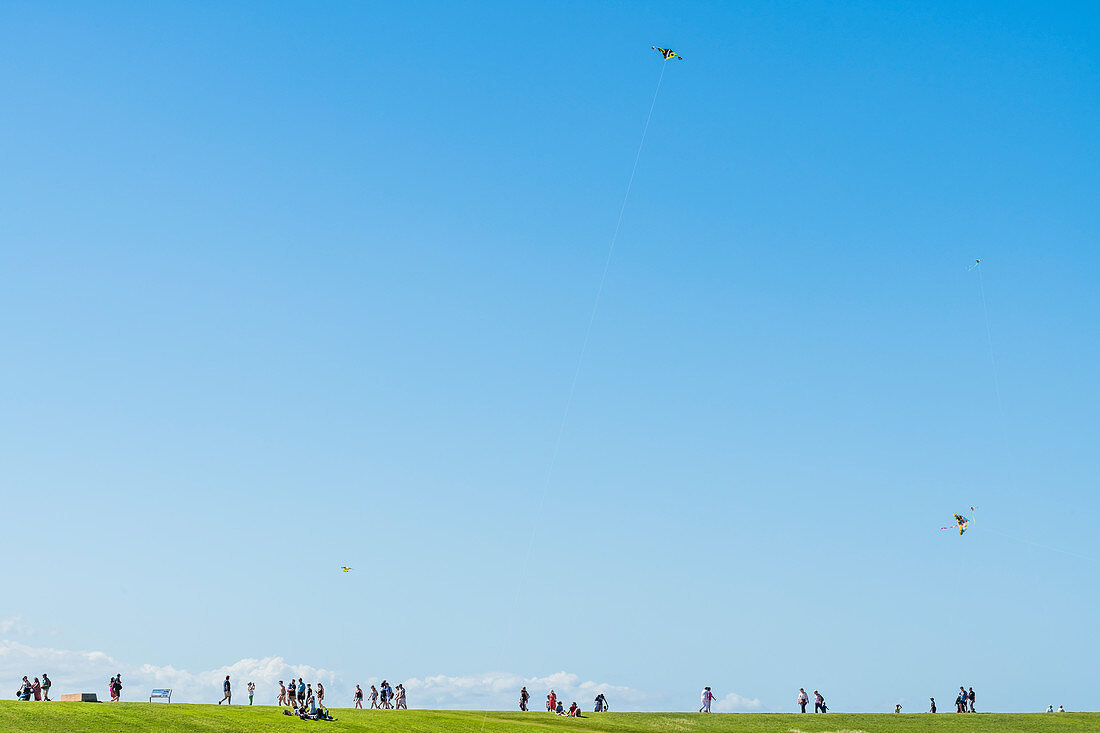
[358, 697]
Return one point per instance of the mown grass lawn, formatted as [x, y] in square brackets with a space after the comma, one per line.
[16, 717]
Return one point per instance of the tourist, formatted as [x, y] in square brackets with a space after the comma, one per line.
[292, 695]
[251, 691]
[301, 692]
[819, 703]
[46, 685]
[706, 697]
[1061, 709]
[933, 708]
[560, 709]
[320, 694]
[897, 708]
[548, 709]
[552, 701]
[309, 695]
[373, 697]
[282, 695]
[358, 697]
[970, 698]
[574, 710]
[116, 688]
[524, 696]
[960, 701]
[803, 698]
[24, 690]
[1050, 708]
[402, 703]
[228, 690]
[36, 689]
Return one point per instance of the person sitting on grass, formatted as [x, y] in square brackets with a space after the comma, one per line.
[574, 711]
[560, 709]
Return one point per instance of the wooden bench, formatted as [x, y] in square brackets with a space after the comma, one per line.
[161, 695]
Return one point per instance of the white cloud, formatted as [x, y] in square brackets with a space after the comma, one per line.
[497, 691]
[731, 702]
[89, 671]
[14, 626]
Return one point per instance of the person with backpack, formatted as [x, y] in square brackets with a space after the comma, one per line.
[524, 696]
[819, 703]
[960, 701]
[228, 690]
[373, 697]
[46, 685]
[116, 688]
[803, 698]
[301, 692]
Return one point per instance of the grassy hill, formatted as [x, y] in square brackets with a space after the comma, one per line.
[57, 717]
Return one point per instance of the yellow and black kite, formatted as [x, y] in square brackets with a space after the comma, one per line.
[668, 53]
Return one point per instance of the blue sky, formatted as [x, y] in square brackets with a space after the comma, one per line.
[285, 287]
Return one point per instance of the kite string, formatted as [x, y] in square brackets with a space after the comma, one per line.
[989, 341]
[1037, 544]
[548, 479]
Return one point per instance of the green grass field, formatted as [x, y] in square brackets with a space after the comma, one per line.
[18, 717]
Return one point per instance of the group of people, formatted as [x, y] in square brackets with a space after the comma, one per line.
[300, 697]
[383, 697]
[819, 701]
[556, 706]
[39, 690]
[961, 700]
[114, 688]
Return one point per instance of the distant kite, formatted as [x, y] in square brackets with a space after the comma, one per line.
[345, 568]
[976, 263]
[668, 53]
[961, 523]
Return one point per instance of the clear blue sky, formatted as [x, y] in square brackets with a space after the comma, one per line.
[290, 286]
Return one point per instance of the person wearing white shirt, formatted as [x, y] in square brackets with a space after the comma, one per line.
[706, 698]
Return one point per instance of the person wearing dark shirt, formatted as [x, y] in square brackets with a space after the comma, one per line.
[228, 699]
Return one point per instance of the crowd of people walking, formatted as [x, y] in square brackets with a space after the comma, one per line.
[804, 700]
[39, 690]
[556, 706]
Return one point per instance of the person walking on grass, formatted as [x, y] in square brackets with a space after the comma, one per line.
[819, 703]
[251, 691]
[46, 685]
[803, 698]
[524, 696]
[358, 697]
[933, 708]
[970, 698]
[373, 697]
[228, 690]
[292, 695]
[116, 688]
[36, 689]
[707, 697]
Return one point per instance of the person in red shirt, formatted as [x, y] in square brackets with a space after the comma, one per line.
[553, 701]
